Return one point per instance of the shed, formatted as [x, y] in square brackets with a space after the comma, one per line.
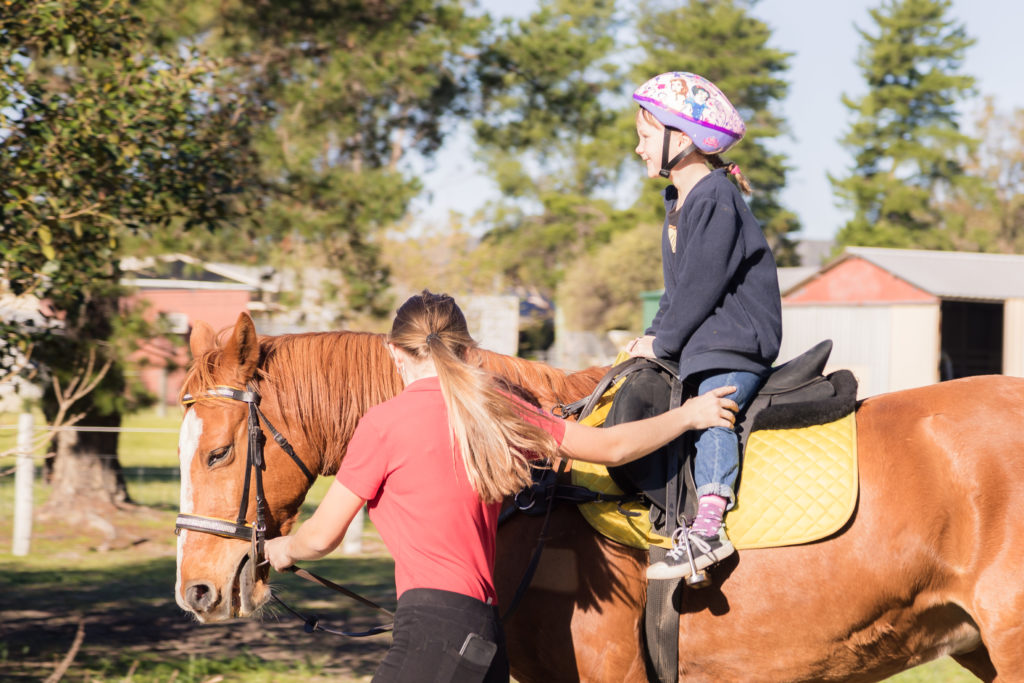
[903, 318]
[180, 290]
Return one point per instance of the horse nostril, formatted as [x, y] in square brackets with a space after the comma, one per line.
[201, 596]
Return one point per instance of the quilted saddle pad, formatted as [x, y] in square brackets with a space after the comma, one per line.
[796, 486]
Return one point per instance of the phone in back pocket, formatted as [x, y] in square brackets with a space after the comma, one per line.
[478, 650]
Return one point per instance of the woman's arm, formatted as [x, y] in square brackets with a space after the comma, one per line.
[629, 441]
[321, 533]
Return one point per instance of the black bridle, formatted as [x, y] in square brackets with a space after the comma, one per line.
[256, 532]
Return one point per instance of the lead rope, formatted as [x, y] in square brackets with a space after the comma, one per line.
[312, 623]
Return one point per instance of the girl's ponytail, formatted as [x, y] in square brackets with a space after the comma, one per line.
[716, 161]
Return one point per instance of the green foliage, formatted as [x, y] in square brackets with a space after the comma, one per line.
[905, 139]
[535, 249]
[356, 88]
[546, 82]
[719, 40]
[601, 291]
[555, 132]
[992, 219]
[102, 136]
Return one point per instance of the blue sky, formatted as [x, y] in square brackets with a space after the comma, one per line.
[822, 36]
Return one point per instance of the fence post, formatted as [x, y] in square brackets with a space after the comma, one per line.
[352, 544]
[24, 474]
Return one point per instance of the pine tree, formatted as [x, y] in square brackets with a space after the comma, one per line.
[719, 40]
[905, 138]
[555, 133]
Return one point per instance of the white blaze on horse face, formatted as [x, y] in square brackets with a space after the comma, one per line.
[188, 443]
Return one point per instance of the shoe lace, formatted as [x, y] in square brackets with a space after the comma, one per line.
[681, 537]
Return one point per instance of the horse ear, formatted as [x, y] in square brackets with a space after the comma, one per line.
[201, 339]
[243, 347]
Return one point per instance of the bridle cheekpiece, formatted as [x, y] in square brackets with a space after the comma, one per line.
[254, 532]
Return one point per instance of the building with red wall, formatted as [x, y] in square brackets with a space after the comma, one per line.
[177, 291]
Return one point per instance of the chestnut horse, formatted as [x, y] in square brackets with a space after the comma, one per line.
[929, 565]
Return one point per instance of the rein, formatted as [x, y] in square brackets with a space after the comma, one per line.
[256, 532]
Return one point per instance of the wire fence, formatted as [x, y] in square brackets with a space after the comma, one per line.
[148, 463]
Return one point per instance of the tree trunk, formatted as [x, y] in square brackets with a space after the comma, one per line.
[86, 469]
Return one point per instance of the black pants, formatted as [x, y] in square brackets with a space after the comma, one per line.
[431, 627]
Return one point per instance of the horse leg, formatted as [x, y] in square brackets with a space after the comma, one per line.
[978, 663]
[1002, 657]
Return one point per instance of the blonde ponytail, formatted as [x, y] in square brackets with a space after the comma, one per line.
[487, 428]
[734, 170]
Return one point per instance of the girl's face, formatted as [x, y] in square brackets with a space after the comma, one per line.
[651, 136]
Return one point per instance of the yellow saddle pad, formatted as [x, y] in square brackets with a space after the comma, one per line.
[796, 486]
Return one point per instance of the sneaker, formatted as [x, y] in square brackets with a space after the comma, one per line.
[704, 551]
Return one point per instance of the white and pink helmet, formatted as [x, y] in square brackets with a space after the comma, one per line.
[694, 105]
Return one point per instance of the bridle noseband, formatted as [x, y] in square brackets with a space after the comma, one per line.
[254, 532]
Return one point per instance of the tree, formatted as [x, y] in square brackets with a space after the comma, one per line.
[601, 290]
[719, 40]
[101, 136]
[356, 89]
[905, 139]
[555, 132]
[992, 220]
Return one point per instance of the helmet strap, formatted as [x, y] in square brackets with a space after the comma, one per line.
[666, 164]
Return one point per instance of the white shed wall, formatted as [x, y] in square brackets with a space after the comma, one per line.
[914, 354]
[860, 340]
[1013, 337]
[886, 347]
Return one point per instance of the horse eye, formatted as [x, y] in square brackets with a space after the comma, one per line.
[217, 455]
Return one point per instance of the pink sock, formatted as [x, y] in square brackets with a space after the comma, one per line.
[710, 510]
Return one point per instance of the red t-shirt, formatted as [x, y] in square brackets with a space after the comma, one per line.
[401, 461]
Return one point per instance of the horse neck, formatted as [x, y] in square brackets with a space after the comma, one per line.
[323, 382]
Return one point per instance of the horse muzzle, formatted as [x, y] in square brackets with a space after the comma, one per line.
[242, 593]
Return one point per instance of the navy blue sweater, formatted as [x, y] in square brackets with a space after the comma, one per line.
[721, 309]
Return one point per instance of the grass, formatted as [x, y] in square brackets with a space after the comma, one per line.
[134, 633]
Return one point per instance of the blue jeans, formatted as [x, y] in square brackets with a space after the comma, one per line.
[717, 461]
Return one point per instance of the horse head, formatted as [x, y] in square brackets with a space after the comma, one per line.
[218, 572]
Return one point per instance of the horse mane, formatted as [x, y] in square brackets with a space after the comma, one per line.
[325, 381]
[549, 385]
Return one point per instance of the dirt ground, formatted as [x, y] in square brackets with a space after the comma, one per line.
[134, 631]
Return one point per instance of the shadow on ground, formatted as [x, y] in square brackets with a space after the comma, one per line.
[132, 624]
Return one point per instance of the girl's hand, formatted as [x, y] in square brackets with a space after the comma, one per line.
[278, 552]
[712, 409]
[642, 346]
